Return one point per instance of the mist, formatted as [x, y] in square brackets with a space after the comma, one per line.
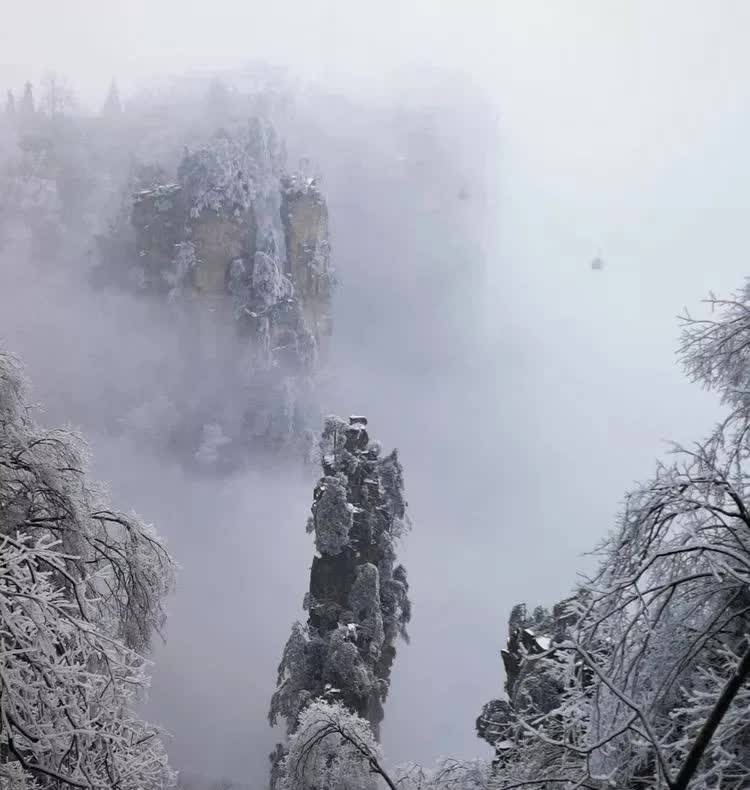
[474, 163]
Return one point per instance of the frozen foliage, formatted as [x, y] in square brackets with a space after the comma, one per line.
[392, 479]
[647, 683]
[331, 748]
[298, 675]
[264, 301]
[191, 781]
[715, 349]
[347, 669]
[236, 169]
[494, 723]
[301, 183]
[219, 176]
[268, 283]
[366, 604]
[334, 748]
[70, 690]
[81, 590]
[331, 519]
[332, 441]
[448, 774]
[14, 777]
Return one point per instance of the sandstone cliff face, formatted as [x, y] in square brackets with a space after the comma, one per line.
[226, 238]
[305, 219]
[220, 240]
[158, 220]
[358, 601]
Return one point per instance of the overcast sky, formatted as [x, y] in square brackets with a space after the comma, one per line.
[524, 409]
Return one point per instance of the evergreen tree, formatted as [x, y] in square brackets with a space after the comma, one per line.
[10, 105]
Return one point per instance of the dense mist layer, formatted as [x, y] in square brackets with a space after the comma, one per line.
[394, 175]
[524, 390]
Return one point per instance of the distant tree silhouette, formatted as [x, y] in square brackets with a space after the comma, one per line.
[58, 95]
[27, 102]
[112, 105]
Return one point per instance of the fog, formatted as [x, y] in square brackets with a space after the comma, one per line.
[525, 391]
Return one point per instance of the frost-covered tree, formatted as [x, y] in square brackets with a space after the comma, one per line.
[650, 675]
[219, 176]
[81, 591]
[448, 774]
[332, 748]
[358, 600]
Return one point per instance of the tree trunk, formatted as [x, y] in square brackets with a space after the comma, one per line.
[734, 684]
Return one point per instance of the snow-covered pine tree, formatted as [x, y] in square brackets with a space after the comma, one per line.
[358, 600]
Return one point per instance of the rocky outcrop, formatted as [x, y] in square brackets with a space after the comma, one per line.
[242, 249]
[358, 600]
[305, 218]
[219, 241]
[158, 219]
[527, 686]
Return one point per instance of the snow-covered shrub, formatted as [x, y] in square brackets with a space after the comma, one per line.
[219, 176]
